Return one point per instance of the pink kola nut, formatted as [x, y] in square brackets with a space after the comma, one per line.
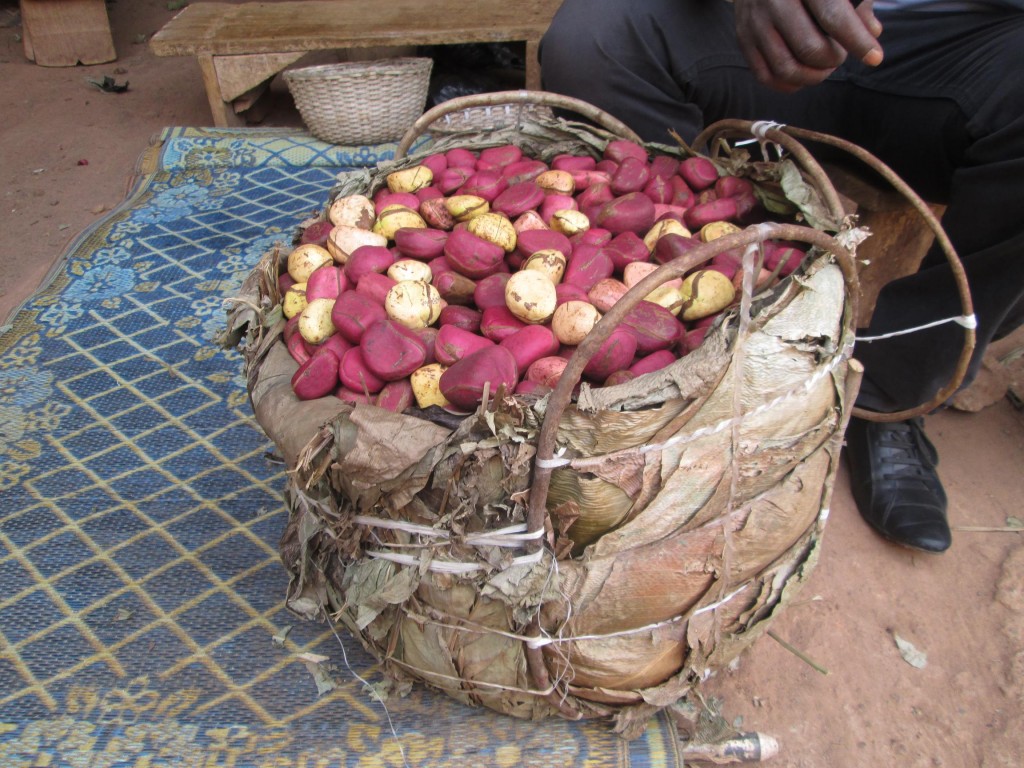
[554, 203]
[464, 317]
[356, 376]
[572, 163]
[529, 344]
[720, 209]
[733, 186]
[338, 344]
[606, 293]
[698, 172]
[672, 246]
[675, 212]
[366, 259]
[517, 199]
[316, 233]
[395, 396]
[531, 388]
[385, 198]
[682, 195]
[460, 157]
[473, 256]
[664, 166]
[566, 292]
[420, 243]
[485, 184]
[284, 282]
[785, 253]
[633, 212]
[493, 368]
[455, 288]
[391, 351]
[436, 163]
[653, 327]
[326, 282]
[546, 371]
[533, 240]
[619, 377]
[625, 248]
[595, 195]
[655, 361]
[297, 346]
[439, 266]
[498, 323]
[453, 344]
[588, 265]
[582, 180]
[592, 236]
[450, 179]
[436, 214]
[693, 339]
[632, 175]
[607, 166]
[375, 286]
[490, 291]
[659, 189]
[317, 377]
[353, 313]
[428, 193]
[427, 336]
[501, 156]
[614, 354]
[618, 150]
[523, 170]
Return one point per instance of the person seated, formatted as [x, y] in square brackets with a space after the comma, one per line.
[931, 87]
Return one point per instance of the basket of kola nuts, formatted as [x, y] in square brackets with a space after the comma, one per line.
[561, 410]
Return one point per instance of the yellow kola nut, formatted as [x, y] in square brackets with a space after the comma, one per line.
[717, 229]
[667, 296]
[353, 211]
[662, 228]
[550, 261]
[395, 217]
[704, 293]
[413, 303]
[556, 182]
[530, 295]
[344, 239]
[410, 269]
[426, 386]
[410, 179]
[294, 300]
[465, 207]
[315, 324]
[306, 259]
[495, 228]
[570, 222]
[573, 320]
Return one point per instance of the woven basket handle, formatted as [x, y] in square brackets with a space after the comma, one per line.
[786, 136]
[496, 98]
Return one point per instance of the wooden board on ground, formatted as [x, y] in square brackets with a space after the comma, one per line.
[64, 33]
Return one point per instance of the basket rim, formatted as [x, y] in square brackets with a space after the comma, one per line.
[397, 66]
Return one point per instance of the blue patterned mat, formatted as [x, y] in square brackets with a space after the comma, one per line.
[141, 596]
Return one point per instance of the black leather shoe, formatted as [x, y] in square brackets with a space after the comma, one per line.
[895, 485]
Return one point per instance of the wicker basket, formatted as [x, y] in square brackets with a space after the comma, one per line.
[362, 102]
[489, 118]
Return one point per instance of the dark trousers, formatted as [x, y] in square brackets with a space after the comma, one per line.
[945, 110]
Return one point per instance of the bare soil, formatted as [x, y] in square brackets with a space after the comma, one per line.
[66, 156]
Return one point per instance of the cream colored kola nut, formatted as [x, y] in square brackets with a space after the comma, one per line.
[410, 269]
[636, 271]
[704, 293]
[395, 217]
[315, 324]
[294, 300]
[344, 239]
[530, 295]
[413, 303]
[465, 207]
[573, 320]
[410, 179]
[549, 261]
[304, 260]
[495, 228]
[353, 211]
[717, 229]
[570, 222]
[556, 182]
[426, 386]
[662, 228]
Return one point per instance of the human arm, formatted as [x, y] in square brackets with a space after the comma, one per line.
[790, 44]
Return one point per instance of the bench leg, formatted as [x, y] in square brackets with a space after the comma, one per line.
[533, 65]
[223, 113]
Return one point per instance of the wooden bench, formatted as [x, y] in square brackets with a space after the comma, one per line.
[241, 47]
[64, 33]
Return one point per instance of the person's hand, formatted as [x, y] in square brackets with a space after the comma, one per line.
[790, 44]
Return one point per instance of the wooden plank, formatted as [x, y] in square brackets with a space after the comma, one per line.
[238, 75]
[224, 115]
[63, 33]
[309, 25]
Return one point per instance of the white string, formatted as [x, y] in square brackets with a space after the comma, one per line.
[512, 536]
[761, 127]
[967, 321]
[448, 566]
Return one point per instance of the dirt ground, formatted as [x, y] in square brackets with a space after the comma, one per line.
[67, 151]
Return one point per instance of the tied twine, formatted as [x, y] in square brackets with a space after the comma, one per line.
[966, 321]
